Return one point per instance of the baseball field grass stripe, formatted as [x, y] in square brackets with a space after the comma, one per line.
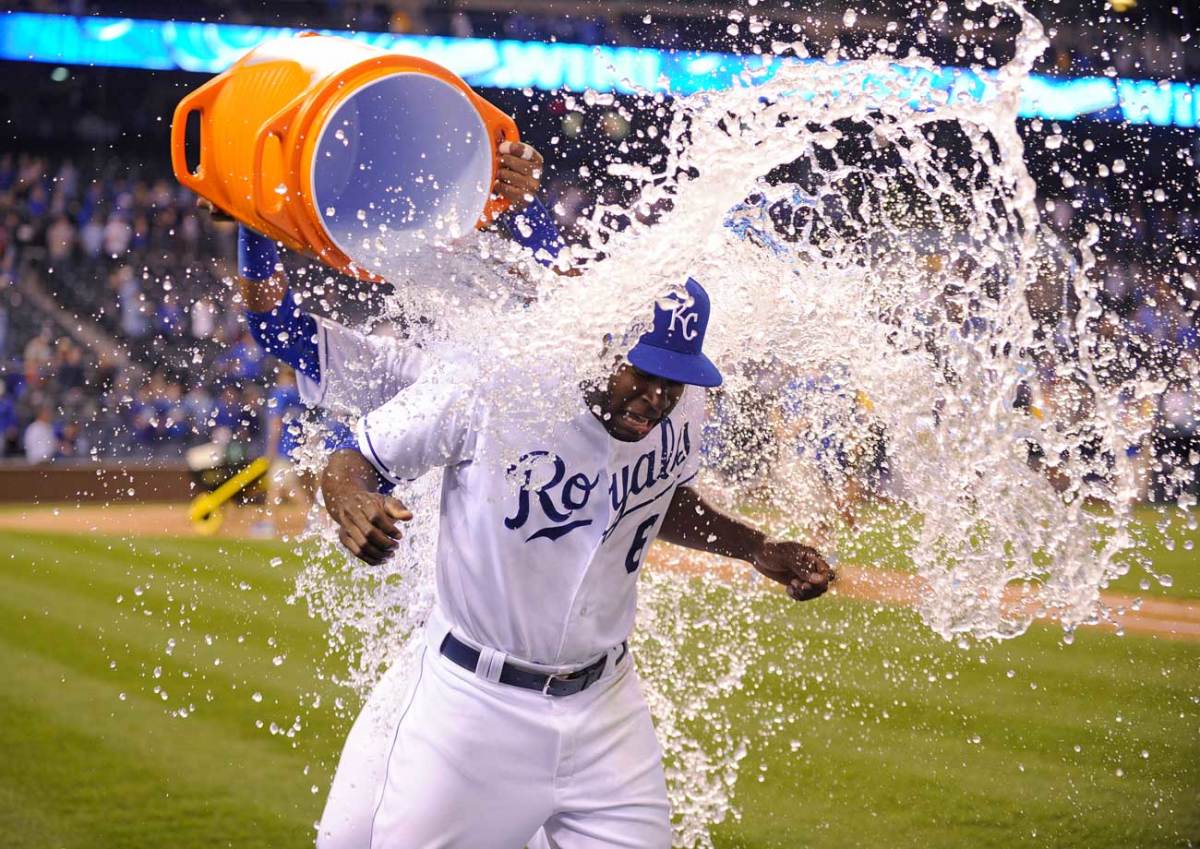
[80, 622]
[234, 682]
[170, 588]
[163, 608]
[249, 561]
[50, 624]
[885, 536]
[25, 818]
[120, 571]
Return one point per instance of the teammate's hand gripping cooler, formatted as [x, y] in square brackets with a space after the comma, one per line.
[345, 151]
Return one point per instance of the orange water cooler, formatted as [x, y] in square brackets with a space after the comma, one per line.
[348, 152]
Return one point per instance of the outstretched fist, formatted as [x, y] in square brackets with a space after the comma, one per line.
[798, 567]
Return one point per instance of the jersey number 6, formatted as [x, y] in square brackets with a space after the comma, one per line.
[640, 537]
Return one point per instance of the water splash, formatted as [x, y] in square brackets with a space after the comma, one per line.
[879, 274]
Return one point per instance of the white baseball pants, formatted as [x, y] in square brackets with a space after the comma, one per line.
[441, 758]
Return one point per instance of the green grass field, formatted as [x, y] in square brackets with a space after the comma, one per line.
[893, 738]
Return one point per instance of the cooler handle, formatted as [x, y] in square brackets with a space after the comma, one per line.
[199, 101]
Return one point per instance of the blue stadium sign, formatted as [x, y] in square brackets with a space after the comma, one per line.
[211, 47]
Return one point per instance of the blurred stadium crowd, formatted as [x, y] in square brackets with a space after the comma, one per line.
[120, 336]
[130, 254]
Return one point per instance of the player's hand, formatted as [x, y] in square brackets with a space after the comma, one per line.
[520, 174]
[367, 524]
[215, 214]
[799, 568]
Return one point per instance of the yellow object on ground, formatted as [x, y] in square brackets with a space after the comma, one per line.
[205, 509]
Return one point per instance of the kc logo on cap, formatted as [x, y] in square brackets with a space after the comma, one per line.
[685, 316]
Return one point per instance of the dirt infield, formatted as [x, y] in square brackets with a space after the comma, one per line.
[147, 520]
[1168, 618]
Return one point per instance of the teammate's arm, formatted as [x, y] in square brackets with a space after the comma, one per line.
[520, 174]
[276, 321]
[365, 516]
[263, 288]
[337, 368]
[261, 281]
[694, 523]
[274, 317]
[527, 221]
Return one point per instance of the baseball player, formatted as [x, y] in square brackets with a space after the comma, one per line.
[346, 372]
[524, 713]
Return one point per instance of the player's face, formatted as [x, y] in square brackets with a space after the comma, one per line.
[635, 402]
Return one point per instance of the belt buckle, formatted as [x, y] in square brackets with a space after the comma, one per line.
[550, 679]
[587, 677]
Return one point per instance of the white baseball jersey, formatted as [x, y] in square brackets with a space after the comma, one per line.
[358, 372]
[538, 558]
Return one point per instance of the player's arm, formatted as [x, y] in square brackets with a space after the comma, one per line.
[365, 515]
[337, 368]
[261, 282]
[276, 321]
[694, 523]
[429, 424]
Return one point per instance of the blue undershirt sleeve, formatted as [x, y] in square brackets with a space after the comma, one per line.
[289, 333]
[257, 254]
[534, 228]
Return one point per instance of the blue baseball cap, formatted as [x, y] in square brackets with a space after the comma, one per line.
[671, 349]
